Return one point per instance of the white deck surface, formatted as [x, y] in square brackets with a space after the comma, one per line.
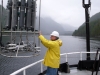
[78, 72]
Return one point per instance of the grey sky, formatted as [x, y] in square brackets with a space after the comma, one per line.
[66, 11]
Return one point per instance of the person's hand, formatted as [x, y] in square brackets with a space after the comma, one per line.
[40, 33]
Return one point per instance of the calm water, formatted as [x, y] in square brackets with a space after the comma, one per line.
[70, 44]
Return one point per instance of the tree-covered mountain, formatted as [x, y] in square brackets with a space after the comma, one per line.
[94, 27]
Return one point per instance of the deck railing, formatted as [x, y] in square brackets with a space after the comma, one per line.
[40, 61]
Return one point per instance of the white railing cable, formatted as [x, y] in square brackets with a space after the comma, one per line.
[40, 61]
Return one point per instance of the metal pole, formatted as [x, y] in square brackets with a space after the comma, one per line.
[34, 23]
[39, 20]
[66, 58]
[1, 21]
[86, 6]
[81, 56]
[87, 32]
[41, 67]
[24, 72]
[1, 24]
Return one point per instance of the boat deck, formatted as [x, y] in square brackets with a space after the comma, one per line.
[78, 72]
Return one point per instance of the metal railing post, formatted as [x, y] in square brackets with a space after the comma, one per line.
[24, 72]
[66, 58]
[41, 67]
[81, 56]
[98, 56]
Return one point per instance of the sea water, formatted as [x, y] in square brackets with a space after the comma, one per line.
[70, 44]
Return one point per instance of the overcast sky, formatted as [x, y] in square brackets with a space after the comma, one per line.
[66, 12]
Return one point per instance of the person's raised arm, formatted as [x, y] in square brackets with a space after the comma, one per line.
[45, 42]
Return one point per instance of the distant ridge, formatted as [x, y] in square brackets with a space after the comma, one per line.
[48, 25]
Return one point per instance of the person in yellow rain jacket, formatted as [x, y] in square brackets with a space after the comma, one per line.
[52, 56]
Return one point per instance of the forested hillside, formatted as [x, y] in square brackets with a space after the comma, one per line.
[94, 27]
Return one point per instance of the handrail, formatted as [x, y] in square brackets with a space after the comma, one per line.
[24, 68]
[40, 61]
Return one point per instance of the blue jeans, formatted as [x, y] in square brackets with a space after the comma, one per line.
[51, 71]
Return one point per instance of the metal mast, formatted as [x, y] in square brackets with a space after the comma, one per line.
[39, 20]
[86, 6]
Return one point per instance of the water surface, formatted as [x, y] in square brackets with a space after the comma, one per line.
[70, 44]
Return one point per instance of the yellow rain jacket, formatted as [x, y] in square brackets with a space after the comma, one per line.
[52, 56]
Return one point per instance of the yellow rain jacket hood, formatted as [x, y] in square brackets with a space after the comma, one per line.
[52, 56]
